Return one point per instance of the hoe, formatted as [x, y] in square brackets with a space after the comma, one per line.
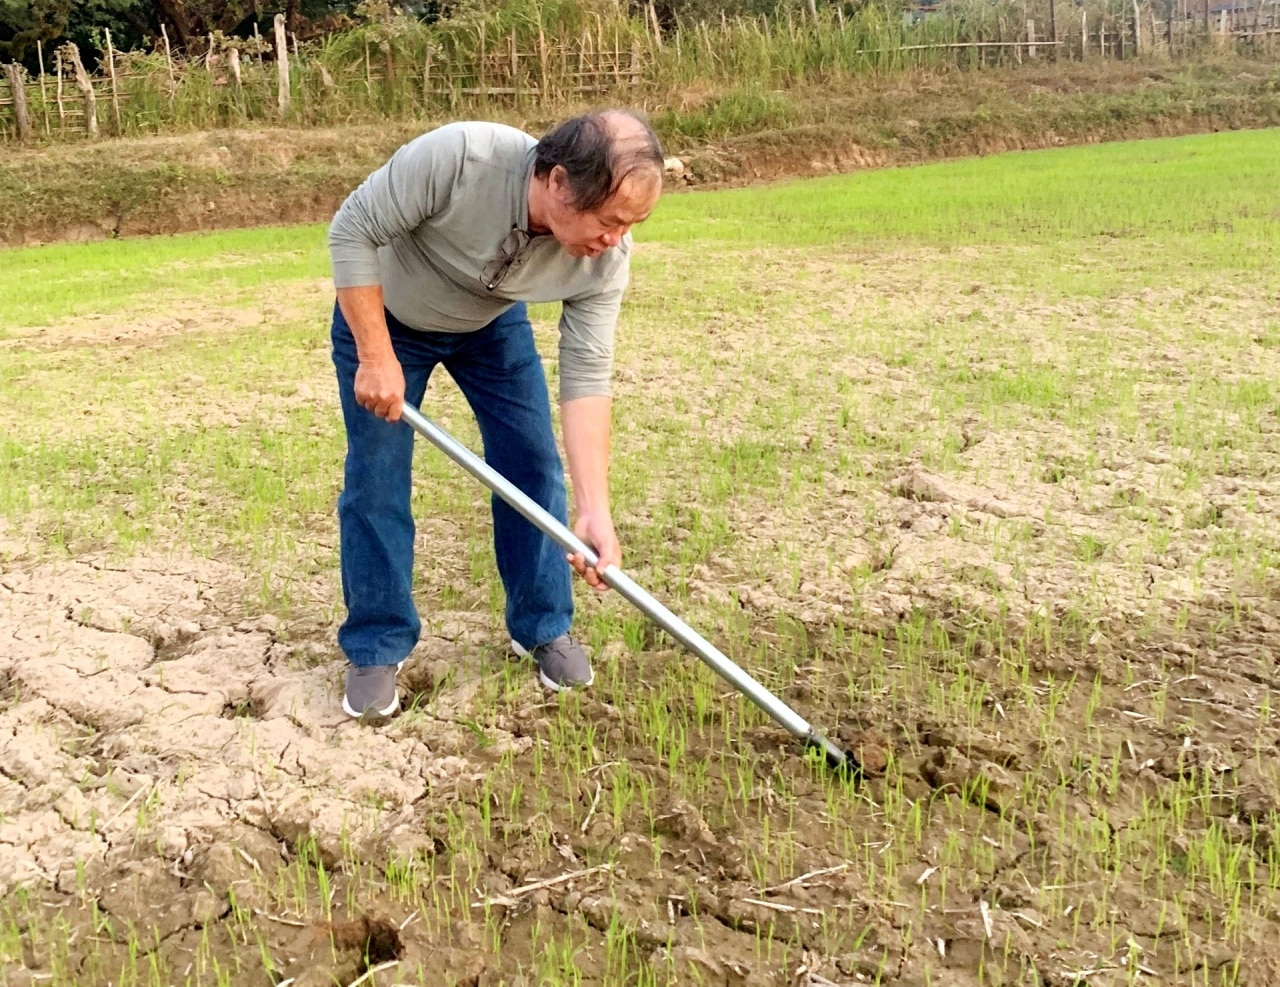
[842, 761]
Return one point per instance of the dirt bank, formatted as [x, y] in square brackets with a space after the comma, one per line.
[242, 178]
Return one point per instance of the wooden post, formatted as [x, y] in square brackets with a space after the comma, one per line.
[44, 95]
[1031, 39]
[449, 74]
[542, 65]
[282, 65]
[13, 72]
[257, 39]
[62, 113]
[1084, 34]
[85, 85]
[484, 89]
[657, 31]
[600, 64]
[426, 78]
[1137, 29]
[233, 59]
[168, 61]
[1053, 28]
[168, 56]
[515, 63]
[111, 70]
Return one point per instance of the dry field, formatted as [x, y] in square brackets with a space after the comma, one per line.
[977, 465]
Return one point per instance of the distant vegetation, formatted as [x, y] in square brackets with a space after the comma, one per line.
[335, 63]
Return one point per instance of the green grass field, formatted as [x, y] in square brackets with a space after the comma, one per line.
[973, 463]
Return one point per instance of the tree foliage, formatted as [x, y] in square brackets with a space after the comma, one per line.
[25, 22]
[137, 23]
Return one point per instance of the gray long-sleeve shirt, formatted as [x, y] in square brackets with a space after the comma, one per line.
[443, 227]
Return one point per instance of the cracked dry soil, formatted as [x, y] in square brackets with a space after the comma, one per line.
[163, 762]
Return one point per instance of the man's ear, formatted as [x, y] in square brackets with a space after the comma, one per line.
[558, 182]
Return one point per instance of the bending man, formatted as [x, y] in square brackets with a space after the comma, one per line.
[434, 257]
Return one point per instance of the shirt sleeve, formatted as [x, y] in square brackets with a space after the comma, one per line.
[587, 324]
[399, 197]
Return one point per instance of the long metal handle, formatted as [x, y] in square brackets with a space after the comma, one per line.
[627, 588]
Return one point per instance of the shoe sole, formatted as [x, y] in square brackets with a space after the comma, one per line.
[542, 676]
[395, 704]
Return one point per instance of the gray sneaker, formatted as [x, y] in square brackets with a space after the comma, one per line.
[371, 691]
[562, 663]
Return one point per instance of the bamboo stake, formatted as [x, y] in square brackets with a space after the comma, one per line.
[111, 68]
[582, 55]
[282, 65]
[44, 95]
[657, 31]
[62, 113]
[168, 61]
[515, 61]
[600, 59]
[542, 63]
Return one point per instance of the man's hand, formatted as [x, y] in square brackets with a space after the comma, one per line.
[596, 530]
[380, 387]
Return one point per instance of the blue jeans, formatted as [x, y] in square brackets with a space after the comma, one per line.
[499, 371]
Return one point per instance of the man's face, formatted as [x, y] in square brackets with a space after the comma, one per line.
[589, 234]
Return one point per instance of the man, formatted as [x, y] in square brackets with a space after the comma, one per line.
[434, 256]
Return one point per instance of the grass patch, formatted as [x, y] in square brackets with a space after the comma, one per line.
[972, 463]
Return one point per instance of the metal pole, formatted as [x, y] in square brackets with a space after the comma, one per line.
[629, 590]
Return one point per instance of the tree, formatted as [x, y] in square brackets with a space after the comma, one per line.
[137, 23]
[24, 22]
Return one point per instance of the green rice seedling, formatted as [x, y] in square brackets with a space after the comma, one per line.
[1036, 360]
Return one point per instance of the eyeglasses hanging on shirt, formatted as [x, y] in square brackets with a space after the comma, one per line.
[496, 270]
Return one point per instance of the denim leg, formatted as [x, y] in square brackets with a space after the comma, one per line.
[500, 373]
[375, 525]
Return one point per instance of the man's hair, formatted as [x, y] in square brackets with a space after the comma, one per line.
[595, 159]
